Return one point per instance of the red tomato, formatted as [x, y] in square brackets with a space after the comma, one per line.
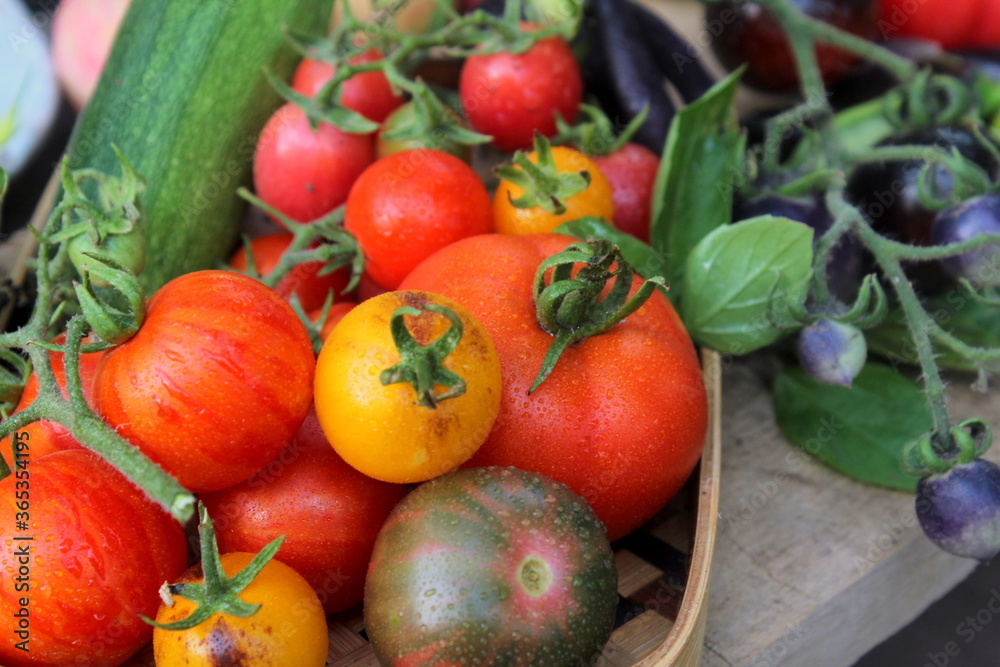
[215, 383]
[947, 23]
[100, 550]
[304, 280]
[45, 436]
[631, 171]
[952, 25]
[512, 96]
[622, 417]
[306, 174]
[408, 205]
[307, 487]
[369, 93]
[985, 32]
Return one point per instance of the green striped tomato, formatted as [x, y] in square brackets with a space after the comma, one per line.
[487, 566]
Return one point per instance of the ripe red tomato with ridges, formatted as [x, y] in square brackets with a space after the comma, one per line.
[48, 436]
[216, 381]
[622, 418]
[100, 551]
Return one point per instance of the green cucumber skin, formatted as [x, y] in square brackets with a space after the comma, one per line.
[184, 96]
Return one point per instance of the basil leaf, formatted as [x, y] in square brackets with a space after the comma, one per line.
[860, 430]
[969, 319]
[644, 259]
[743, 281]
[701, 161]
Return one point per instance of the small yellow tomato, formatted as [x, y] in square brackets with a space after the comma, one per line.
[289, 628]
[440, 398]
[593, 200]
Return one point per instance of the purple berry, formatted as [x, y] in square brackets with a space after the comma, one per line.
[980, 215]
[960, 510]
[832, 352]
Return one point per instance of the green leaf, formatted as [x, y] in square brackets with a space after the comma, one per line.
[699, 167]
[744, 282]
[859, 431]
[957, 311]
[644, 259]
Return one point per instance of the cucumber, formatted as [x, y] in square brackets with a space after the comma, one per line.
[184, 96]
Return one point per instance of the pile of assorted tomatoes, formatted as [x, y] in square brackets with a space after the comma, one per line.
[426, 408]
[412, 389]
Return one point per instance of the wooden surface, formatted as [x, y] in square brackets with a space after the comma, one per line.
[812, 568]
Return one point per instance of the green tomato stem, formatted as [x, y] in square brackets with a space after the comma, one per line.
[918, 322]
[217, 593]
[797, 23]
[423, 365]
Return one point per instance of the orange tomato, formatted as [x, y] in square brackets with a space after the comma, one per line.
[594, 200]
[382, 430]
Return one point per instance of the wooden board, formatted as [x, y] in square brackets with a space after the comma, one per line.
[810, 567]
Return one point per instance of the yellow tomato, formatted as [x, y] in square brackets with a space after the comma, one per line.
[289, 628]
[594, 200]
[383, 430]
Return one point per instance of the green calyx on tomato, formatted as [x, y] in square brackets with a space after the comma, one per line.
[218, 593]
[101, 214]
[930, 454]
[597, 135]
[111, 324]
[544, 185]
[571, 307]
[421, 365]
[427, 122]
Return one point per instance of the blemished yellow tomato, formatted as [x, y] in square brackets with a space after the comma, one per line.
[289, 628]
[442, 393]
[594, 200]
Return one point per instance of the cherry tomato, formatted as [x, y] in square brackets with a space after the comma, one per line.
[288, 629]
[622, 417]
[368, 93]
[46, 436]
[383, 430]
[306, 174]
[99, 551]
[328, 512]
[512, 96]
[304, 281]
[595, 200]
[409, 204]
[631, 172]
[216, 381]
